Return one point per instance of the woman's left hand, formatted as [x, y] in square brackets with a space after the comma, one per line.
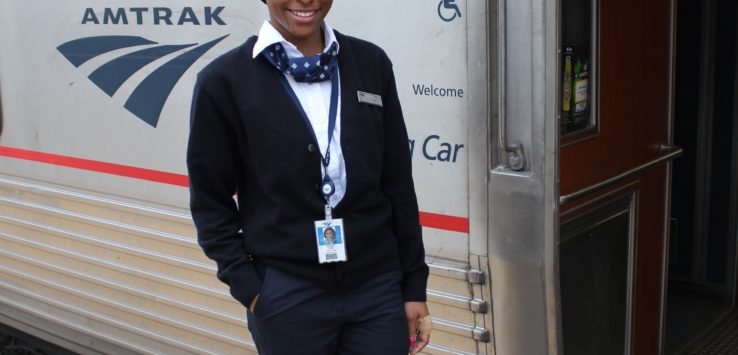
[419, 325]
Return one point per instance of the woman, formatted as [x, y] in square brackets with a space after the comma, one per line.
[303, 124]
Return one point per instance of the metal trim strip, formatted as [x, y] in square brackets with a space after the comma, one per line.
[451, 327]
[439, 349]
[111, 322]
[101, 222]
[127, 207]
[471, 275]
[122, 306]
[670, 153]
[81, 347]
[462, 302]
[133, 291]
[115, 246]
[127, 269]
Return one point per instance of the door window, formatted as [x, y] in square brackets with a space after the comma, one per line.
[578, 49]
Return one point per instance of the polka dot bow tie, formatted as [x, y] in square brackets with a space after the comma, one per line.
[312, 69]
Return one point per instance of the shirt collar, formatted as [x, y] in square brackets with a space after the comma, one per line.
[269, 35]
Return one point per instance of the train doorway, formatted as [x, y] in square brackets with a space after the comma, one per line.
[614, 171]
[701, 289]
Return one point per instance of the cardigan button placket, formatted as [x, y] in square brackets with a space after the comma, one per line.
[311, 148]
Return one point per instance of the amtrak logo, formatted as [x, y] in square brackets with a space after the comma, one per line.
[150, 95]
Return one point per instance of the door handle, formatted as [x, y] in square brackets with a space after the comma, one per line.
[668, 152]
[514, 153]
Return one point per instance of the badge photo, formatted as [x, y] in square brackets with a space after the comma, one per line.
[330, 238]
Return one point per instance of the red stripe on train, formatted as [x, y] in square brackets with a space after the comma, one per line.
[430, 220]
[97, 166]
[440, 221]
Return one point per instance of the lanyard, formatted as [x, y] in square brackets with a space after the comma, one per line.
[327, 186]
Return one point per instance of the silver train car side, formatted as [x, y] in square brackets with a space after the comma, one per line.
[99, 253]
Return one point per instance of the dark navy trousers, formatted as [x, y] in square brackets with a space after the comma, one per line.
[294, 316]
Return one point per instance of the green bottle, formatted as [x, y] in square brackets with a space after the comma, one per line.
[566, 90]
[580, 93]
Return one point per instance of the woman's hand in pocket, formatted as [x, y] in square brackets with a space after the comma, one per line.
[253, 303]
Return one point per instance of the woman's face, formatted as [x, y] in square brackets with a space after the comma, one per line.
[299, 21]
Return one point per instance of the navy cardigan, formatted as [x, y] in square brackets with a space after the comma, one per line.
[247, 138]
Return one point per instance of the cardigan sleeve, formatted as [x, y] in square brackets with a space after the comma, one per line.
[397, 185]
[212, 163]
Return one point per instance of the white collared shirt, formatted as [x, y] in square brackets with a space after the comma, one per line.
[315, 99]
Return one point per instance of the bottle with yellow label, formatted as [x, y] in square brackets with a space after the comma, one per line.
[580, 94]
[566, 89]
[574, 91]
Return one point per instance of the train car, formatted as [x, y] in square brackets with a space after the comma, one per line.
[98, 249]
[542, 135]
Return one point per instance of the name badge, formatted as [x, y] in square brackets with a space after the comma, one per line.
[371, 99]
[330, 237]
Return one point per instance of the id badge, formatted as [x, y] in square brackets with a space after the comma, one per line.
[330, 237]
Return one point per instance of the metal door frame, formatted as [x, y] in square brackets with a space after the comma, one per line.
[523, 205]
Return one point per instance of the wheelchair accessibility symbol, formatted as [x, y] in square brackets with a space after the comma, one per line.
[443, 10]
